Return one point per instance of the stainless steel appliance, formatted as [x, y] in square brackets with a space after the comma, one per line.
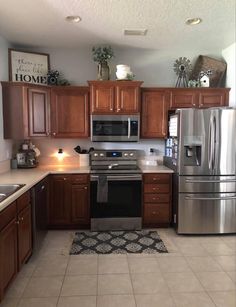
[116, 190]
[202, 152]
[115, 128]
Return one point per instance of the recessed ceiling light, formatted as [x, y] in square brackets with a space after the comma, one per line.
[135, 32]
[193, 21]
[73, 18]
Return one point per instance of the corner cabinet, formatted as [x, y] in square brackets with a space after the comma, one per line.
[119, 97]
[199, 97]
[154, 114]
[25, 110]
[69, 201]
[70, 112]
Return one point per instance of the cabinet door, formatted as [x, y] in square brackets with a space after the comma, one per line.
[213, 98]
[80, 204]
[183, 98]
[127, 99]
[69, 112]
[38, 104]
[8, 255]
[24, 235]
[102, 98]
[154, 114]
[59, 205]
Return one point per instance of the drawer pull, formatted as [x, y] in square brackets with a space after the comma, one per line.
[64, 179]
[155, 189]
[154, 212]
[86, 188]
[155, 198]
[155, 178]
[17, 222]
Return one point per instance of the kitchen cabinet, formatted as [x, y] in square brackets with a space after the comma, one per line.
[199, 97]
[69, 201]
[25, 110]
[15, 239]
[154, 114]
[157, 200]
[115, 97]
[70, 112]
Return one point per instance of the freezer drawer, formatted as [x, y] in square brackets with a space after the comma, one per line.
[206, 213]
[207, 184]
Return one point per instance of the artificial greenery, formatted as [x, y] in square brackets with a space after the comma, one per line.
[102, 54]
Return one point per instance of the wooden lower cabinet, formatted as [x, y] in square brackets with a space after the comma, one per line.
[69, 201]
[15, 239]
[157, 200]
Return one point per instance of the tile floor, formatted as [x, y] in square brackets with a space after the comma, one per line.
[199, 271]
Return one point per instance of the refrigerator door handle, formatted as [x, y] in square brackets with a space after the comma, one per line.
[210, 181]
[210, 138]
[210, 198]
[214, 143]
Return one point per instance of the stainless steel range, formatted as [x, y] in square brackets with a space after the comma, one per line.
[116, 190]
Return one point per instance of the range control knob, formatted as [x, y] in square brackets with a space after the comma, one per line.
[126, 154]
[131, 154]
[101, 154]
[95, 155]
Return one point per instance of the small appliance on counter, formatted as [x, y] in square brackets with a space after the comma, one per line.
[27, 156]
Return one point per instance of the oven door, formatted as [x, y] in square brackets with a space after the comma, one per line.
[123, 197]
[115, 128]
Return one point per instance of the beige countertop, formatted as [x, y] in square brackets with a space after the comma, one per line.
[30, 177]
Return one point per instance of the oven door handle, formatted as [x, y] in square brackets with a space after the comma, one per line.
[118, 177]
[129, 127]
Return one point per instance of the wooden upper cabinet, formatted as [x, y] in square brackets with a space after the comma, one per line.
[38, 104]
[213, 98]
[102, 98]
[183, 98]
[199, 97]
[155, 104]
[69, 112]
[109, 97]
[25, 110]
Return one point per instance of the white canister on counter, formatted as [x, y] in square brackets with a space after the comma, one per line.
[84, 159]
[122, 71]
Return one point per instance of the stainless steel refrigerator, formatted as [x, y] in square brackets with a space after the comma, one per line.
[202, 152]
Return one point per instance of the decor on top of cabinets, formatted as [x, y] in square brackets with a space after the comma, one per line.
[182, 68]
[25, 66]
[205, 63]
[123, 72]
[101, 55]
[204, 78]
[55, 78]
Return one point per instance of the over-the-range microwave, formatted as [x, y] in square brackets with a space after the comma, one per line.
[115, 128]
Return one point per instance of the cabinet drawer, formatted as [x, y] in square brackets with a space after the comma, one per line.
[79, 179]
[156, 188]
[8, 214]
[156, 213]
[23, 201]
[156, 198]
[156, 178]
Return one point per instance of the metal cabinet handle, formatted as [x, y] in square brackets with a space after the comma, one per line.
[21, 219]
[86, 188]
[154, 212]
[111, 109]
[64, 179]
[54, 133]
[42, 187]
[155, 189]
[118, 110]
[48, 133]
[17, 222]
[155, 198]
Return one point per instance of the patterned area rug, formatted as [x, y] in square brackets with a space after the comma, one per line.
[117, 242]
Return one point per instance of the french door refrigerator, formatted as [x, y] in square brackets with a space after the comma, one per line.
[203, 156]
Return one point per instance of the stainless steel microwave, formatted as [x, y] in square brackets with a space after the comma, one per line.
[115, 128]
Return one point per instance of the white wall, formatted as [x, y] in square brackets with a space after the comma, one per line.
[229, 55]
[5, 145]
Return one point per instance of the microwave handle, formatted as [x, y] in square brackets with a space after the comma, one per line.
[129, 127]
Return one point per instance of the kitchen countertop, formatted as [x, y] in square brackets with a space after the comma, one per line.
[30, 177]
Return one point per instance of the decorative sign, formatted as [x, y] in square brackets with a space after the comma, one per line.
[27, 66]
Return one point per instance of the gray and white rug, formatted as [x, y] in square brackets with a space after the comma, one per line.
[117, 242]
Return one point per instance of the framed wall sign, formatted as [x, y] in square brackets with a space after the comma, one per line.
[27, 66]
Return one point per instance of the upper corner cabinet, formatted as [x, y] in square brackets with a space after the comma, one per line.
[111, 97]
[25, 110]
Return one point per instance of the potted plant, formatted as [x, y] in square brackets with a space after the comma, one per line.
[101, 55]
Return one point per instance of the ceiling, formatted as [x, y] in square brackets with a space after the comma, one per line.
[42, 23]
